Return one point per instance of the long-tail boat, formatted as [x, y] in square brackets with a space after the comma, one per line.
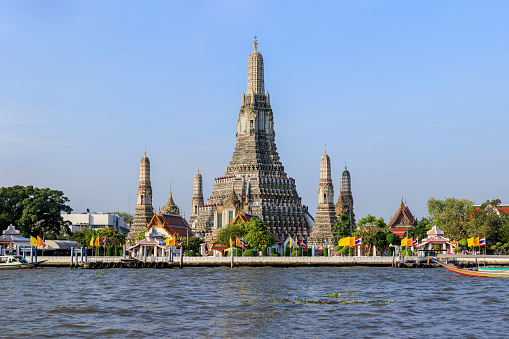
[500, 272]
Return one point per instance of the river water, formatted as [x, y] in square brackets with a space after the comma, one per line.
[251, 303]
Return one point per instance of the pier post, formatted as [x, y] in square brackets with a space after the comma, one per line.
[232, 263]
[72, 256]
[181, 257]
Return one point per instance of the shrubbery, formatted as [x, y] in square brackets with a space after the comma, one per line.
[249, 253]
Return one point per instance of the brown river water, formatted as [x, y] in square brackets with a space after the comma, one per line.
[251, 302]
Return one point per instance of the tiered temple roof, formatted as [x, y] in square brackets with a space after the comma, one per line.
[402, 220]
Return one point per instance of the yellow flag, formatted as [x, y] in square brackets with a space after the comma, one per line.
[237, 241]
[476, 241]
[231, 242]
[39, 241]
[403, 241]
[470, 242]
[291, 242]
[92, 242]
[33, 241]
[351, 241]
[97, 241]
[295, 243]
[167, 241]
[409, 241]
[343, 242]
[172, 242]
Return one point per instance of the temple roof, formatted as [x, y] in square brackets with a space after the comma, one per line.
[175, 225]
[402, 218]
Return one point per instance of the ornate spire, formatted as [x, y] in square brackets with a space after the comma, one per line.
[255, 44]
[325, 149]
[255, 81]
[198, 169]
[145, 152]
[171, 207]
[345, 165]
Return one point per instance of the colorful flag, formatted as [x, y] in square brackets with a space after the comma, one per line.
[237, 242]
[295, 243]
[92, 242]
[39, 241]
[482, 241]
[476, 241]
[167, 241]
[409, 242]
[244, 244]
[43, 242]
[470, 242]
[96, 243]
[104, 242]
[303, 244]
[172, 243]
[291, 245]
[180, 242]
[33, 241]
[415, 242]
[403, 241]
[351, 241]
[358, 241]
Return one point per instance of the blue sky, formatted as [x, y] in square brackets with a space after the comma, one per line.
[411, 94]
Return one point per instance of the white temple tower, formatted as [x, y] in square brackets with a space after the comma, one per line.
[144, 209]
[255, 181]
[197, 196]
[323, 232]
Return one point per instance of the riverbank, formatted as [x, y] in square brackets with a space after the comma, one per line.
[285, 261]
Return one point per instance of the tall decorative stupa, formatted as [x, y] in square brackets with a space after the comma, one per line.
[144, 209]
[323, 232]
[197, 196]
[255, 181]
[344, 204]
[170, 207]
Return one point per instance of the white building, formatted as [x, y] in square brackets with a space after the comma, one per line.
[96, 220]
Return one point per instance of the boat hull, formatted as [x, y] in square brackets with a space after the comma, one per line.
[16, 267]
[503, 273]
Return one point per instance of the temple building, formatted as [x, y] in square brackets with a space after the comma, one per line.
[323, 232]
[170, 225]
[144, 209]
[197, 201]
[344, 205]
[402, 221]
[255, 181]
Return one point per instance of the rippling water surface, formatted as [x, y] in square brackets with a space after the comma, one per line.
[224, 302]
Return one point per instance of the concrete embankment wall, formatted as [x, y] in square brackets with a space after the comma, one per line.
[286, 261]
[242, 261]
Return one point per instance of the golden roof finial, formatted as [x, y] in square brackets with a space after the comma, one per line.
[255, 45]
[325, 149]
[198, 168]
[345, 164]
[145, 151]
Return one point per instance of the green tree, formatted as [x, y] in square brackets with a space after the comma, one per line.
[374, 233]
[258, 236]
[487, 221]
[451, 215]
[254, 232]
[419, 230]
[342, 227]
[34, 211]
[194, 243]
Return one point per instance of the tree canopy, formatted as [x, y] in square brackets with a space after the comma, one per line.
[254, 232]
[343, 226]
[451, 215]
[34, 211]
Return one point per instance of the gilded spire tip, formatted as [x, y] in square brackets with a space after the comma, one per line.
[198, 168]
[145, 151]
[345, 164]
[255, 44]
[325, 149]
